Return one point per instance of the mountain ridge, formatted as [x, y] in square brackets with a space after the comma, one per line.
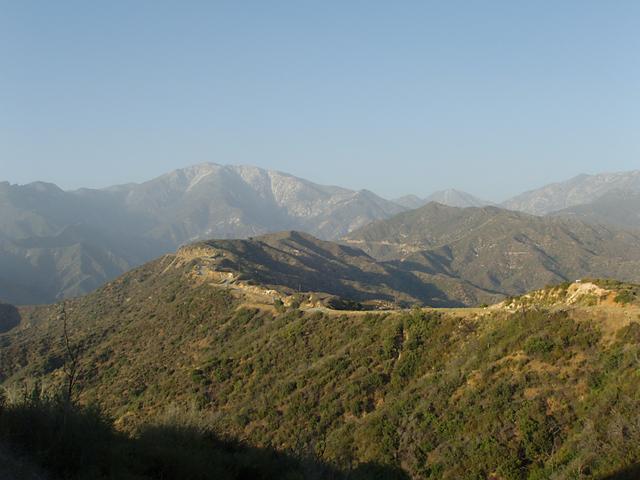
[56, 243]
[291, 262]
[581, 189]
[450, 197]
[618, 208]
[497, 250]
[126, 225]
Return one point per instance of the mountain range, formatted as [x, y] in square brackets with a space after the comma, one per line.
[580, 190]
[477, 254]
[451, 197]
[58, 244]
[436, 255]
[304, 347]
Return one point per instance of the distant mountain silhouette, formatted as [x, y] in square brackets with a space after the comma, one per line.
[450, 197]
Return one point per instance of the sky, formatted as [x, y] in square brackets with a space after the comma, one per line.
[490, 97]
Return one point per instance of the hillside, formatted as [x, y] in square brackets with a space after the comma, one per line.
[336, 274]
[71, 262]
[498, 251]
[292, 262]
[56, 244]
[43, 438]
[507, 392]
[619, 209]
[579, 190]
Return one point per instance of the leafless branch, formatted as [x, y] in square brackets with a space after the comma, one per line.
[71, 365]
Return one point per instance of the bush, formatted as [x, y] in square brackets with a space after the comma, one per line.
[296, 301]
[624, 297]
[279, 305]
[630, 333]
[539, 346]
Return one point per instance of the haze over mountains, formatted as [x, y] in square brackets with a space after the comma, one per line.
[451, 197]
[583, 189]
[618, 208]
[56, 244]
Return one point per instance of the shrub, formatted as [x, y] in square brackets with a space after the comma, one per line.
[539, 346]
[630, 333]
[624, 297]
[279, 305]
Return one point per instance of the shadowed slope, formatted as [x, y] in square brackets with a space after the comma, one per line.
[297, 262]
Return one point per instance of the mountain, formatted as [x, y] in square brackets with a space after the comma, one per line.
[456, 198]
[74, 261]
[291, 262]
[617, 208]
[497, 251]
[230, 201]
[409, 201]
[56, 244]
[579, 190]
[539, 386]
[450, 197]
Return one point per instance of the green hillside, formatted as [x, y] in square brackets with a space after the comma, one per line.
[535, 389]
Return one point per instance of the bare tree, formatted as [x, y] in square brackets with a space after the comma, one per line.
[71, 365]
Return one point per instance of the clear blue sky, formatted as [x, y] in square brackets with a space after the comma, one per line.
[492, 97]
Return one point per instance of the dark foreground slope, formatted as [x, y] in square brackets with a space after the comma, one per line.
[540, 387]
[45, 438]
[498, 251]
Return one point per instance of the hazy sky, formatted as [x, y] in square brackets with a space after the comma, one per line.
[399, 97]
